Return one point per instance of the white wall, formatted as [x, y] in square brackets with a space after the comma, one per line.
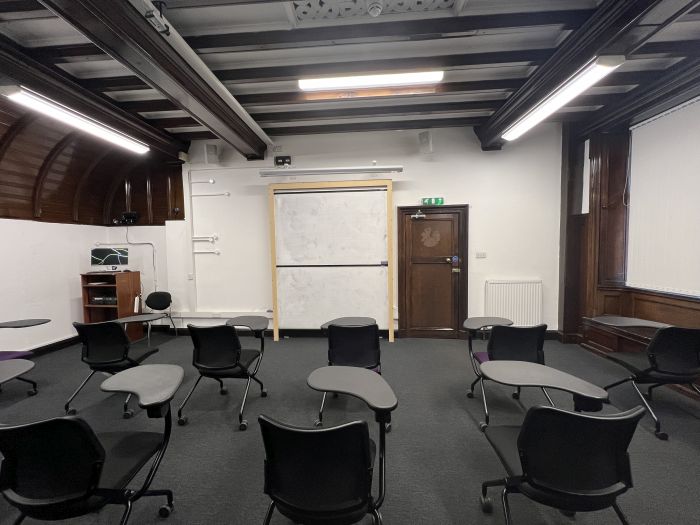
[41, 266]
[514, 198]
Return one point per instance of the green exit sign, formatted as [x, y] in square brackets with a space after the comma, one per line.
[432, 201]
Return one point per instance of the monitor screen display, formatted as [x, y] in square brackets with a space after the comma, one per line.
[109, 256]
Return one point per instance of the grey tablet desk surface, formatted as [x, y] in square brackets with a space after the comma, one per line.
[472, 324]
[364, 384]
[140, 318]
[349, 321]
[24, 323]
[526, 374]
[13, 368]
[153, 384]
[255, 323]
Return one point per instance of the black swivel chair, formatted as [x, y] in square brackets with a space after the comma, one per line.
[566, 460]
[60, 469]
[513, 343]
[218, 355]
[320, 476]
[106, 348]
[672, 358]
[352, 346]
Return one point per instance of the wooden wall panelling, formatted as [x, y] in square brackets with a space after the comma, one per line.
[45, 169]
[115, 197]
[176, 196]
[612, 149]
[665, 308]
[82, 201]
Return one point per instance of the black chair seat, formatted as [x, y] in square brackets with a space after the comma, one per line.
[247, 360]
[136, 357]
[126, 454]
[638, 364]
[504, 440]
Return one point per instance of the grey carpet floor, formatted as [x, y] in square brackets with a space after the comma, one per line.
[436, 455]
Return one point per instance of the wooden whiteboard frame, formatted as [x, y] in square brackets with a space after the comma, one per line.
[345, 184]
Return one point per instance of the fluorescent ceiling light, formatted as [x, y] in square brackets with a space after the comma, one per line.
[371, 81]
[587, 76]
[68, 116]
[285, 172]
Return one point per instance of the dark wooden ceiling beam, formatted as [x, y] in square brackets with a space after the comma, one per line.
[45, 169]
[15, 129]
[613, 29]
[20, 6]
[126, 35]
[19, 68]
[372, 32]
[425, 29]
[677, 85]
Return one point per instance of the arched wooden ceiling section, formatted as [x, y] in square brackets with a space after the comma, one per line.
[52, 173]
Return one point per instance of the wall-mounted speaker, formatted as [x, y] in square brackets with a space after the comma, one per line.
[425, 140]
[211, 154]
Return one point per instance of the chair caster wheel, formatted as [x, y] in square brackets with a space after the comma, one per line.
[335, 395]
[263, 393]
[663, 436]
[470, 395]
[387, 428]
[165, 510]
[318, 423]
[71, 411]
[483, 426]
[486, 504]
[128, 414]
[223, 391]
[32, 392]
[515, 395]
[243, 426]
[182, 421]
[568, 513]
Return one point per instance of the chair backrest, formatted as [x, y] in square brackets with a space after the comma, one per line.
[159, 300]
[354, 346]
[317, 470]
[517, 343]
[574, 453]
[675, 350]
[103, 343]
[58, 459]
[215, 346]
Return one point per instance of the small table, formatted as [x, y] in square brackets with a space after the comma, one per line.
[474, 325]
[142, 318]
[349, 321]
[24, 323]
[255, 323]
[13, 369]
[526, 374]
[371, 388]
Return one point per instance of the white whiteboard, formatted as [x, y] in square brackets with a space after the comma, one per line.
[308, 297]
[331, 227]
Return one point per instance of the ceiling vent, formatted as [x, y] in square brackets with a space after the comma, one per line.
[332, 9]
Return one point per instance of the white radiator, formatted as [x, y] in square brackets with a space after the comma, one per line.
[520, 301]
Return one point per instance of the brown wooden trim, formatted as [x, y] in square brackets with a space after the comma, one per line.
[15, 129]
[610, 30]
[128, 37]
[28, 72]
[84, 178]
[46, 168]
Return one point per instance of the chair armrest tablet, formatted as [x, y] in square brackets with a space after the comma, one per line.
[154, 385]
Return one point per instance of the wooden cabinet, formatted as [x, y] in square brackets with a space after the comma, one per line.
[112, 295]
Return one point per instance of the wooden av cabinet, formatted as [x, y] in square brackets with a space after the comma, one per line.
[112, 295]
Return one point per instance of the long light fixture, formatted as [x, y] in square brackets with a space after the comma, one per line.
[349, 170]
[587, 76]
[54, 110]
[371, 81]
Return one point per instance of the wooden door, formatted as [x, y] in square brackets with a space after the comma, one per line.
[432, 270]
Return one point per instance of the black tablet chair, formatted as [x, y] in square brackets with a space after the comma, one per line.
[352, 346]
[106, 348]
[218, 355]
[60, 469]
[566, 460]
[513, 343]
[320, 476]
[161, 302]
[672, 358]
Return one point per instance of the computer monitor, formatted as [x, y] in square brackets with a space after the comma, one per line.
[109, 259]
